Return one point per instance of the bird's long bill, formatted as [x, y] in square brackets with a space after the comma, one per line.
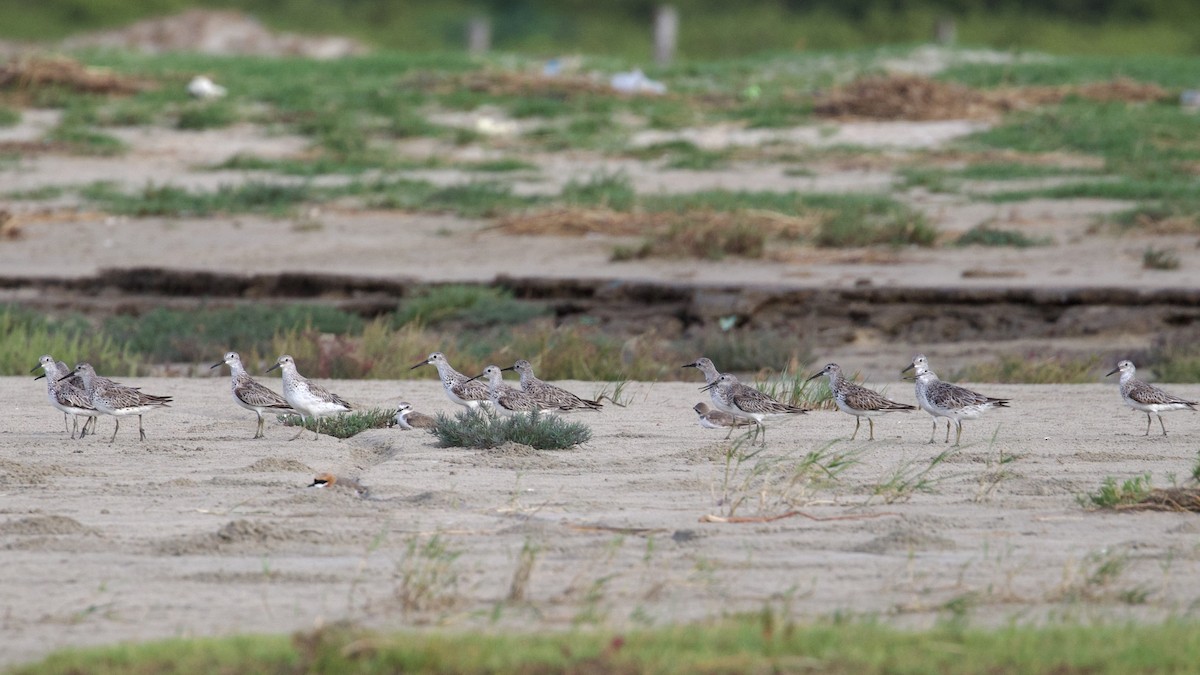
[1114, 370]
[910, 367]
[426, 361]
[708, 386]
[689, 365]
[269, 369]
[35, 369]
[512, 368]
[815, 376]
[64, 376]
[216, 365]
[38, 377]
[475, 378]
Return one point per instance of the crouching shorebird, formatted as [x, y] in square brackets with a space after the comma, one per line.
[942, 399]
[66, 394]
[407, 418]
[719, 419]
[549, 394]
[741, 400]
[306, 397]
[857, 400]
[463, 390]
[250, 394]
[117, 400]
[1147, 398]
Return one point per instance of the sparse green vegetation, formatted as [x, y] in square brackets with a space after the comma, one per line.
[473, 306]
[1159, 259]
[344, 425]
[484, 429]
[1113, 494]
[746, 643]
[1033, 369]
[9, 117]
[986, 235]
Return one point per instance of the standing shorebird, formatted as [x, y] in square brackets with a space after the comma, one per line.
[942, 399]
[1147, 398]
[550, 395]
[509, 400]
[741, 400]
[249, 394]
[463, 390]
[306, 397]
[117, 400]
[858, 400]
[407, 418]
[711, 375]
[710, 418]
[65, 394]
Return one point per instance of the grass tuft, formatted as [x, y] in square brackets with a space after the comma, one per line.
[344, 425]
[986, 235]
[483, 429]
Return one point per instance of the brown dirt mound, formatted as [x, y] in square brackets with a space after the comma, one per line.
[43, 525]
[911, 97]
[25, 75]
[272, 464]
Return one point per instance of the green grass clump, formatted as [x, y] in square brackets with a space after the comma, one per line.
[1113, 494]
[344, 425]
[500, 165]
[28, 335]
[471, 305]
[9, 117]
[683, 155]
[611, 190]
[1032, 369]
[203, 335]
[483, 429]
[747, 643]
[81, 139]
[1159, 259]
[168, 200]
[200, 115]
[985, 235]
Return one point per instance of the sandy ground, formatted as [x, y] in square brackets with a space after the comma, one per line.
[203, 531]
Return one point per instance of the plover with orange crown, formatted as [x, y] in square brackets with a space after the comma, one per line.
[249, 394]
[1147, 398]
[857, 400]
[329, 480]
[306, 397]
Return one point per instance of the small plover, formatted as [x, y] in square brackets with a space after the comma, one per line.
[249, 394]
[509, 400]
[306, 397]
[549, 394]
[857, 400]
[463, 390]
[942, 399]
[117, 400]
[66, 395]
[407, 418]
[328, 480]
[739, 399]
[1147, 398]
[711, 418]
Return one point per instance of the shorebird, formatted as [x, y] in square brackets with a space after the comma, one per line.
[117, 400]
[249, 394]
[858, 400]
[942, 399]
[324, 480]
[463, 390]
[1147, 398]
[741, 400]
[711, 418]
[509, 400]
[407, 418]
[549, 394]
[66, 395]
[711, 375]
[306, 397]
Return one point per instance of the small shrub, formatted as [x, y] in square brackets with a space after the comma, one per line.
[346, 424]
[1113, 495]
[484, 429]
[1159, 259]
[984, 235]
